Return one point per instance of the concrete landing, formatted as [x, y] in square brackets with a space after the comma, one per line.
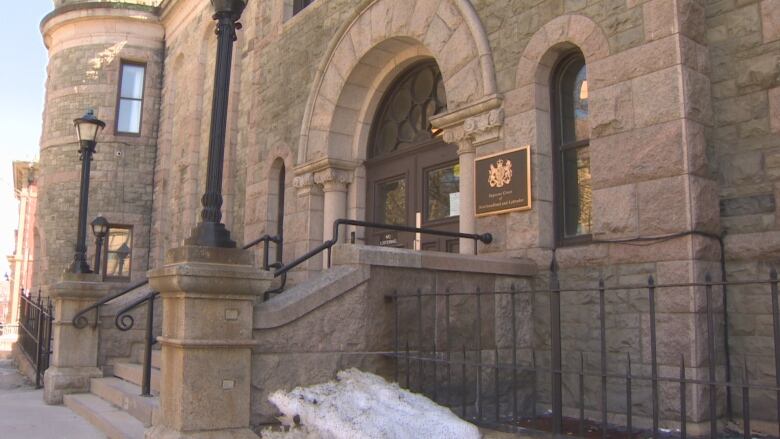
[23, 413]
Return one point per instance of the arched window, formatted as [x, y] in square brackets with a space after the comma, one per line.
[402, 121]
[571, 132]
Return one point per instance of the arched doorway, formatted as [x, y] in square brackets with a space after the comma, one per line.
[412, 176]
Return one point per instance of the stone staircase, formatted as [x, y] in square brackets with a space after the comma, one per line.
[114, 404]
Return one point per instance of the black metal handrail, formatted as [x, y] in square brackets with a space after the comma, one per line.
[124, 322]
[486, 238]
[80, 320]
[265, 239]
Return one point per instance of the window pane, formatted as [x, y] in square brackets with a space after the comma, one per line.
[132, 81]
[117, 265]
[443, 192]
[119, 254]
[574, 102]
[117, 238]
[391, 201]
[577, 192]
[129, 117]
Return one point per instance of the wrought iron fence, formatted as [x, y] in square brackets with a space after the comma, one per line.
[35, 323]
[482, 355]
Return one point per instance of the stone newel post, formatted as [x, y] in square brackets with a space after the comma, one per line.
[208, 298]
[74, 358]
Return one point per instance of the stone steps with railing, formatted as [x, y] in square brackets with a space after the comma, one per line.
[115, 405]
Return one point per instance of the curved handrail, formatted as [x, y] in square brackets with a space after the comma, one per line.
[80, 320]
[266, 239]
[281, 286]
[124, 321]
[486, 238]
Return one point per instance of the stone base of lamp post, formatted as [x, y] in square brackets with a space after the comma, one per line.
[74, 357]
[208, 298]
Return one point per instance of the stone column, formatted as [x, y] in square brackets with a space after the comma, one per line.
[309, 216]
[468, 222]
[208, 299]
[334, 185]
[479, 128]
[74, 358]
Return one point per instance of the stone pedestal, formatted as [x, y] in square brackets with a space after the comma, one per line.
[208, 300]
[74, 359]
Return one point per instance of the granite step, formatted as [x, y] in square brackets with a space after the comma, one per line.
[138, 355]
[111, 420]
[133, 373]
[126, 396]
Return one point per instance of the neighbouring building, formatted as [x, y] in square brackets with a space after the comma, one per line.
[614, 139]
[22, 261]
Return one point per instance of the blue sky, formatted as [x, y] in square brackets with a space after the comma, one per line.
[22, 82]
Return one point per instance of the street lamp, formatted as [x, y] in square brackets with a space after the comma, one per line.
[87, 129]
[210, 231]
[99, 229]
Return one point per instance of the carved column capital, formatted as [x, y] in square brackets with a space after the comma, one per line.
[305, 184]
[457, 135]
[484, 128]
[333, 179]
[475, 130]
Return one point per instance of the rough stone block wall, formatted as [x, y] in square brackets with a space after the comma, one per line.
[358, 327]
[744, 152]
[80, 78]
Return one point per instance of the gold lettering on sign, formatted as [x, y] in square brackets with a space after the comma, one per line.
[500, 174]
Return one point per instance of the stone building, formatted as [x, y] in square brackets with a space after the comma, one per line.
[22, 261]
[654, 150]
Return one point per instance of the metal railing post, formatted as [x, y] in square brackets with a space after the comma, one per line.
[146, 388]
[38, 337]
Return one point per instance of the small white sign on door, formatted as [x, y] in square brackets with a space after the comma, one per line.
[454, 203]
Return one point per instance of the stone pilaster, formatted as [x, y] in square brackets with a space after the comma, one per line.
[208, 299]
[311, 204]
[74, 357]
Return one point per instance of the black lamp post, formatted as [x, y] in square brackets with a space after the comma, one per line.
[99, 229]
[210, 231]
[87, 128]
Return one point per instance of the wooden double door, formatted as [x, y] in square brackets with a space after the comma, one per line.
[418, 186]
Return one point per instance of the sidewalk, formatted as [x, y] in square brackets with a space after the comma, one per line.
[23, 415]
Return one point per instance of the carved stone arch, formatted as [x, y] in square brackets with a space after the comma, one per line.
[384, 37]
[559, 35]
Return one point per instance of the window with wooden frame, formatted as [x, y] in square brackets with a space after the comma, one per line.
[129, 106]
[571, 155]
[117, 262]
[299, 5]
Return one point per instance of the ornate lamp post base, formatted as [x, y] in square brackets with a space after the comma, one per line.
[210, 234]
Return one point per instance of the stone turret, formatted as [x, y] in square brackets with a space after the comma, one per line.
[88, 43]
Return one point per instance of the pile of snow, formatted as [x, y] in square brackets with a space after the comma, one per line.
[360, 405]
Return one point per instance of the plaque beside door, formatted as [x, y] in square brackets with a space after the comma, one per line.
[503, 182]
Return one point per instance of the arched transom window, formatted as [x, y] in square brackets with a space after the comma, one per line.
[403, 118]
[572, 138]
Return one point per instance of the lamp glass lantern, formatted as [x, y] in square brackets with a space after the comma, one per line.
[88, 127]
[99, 227]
